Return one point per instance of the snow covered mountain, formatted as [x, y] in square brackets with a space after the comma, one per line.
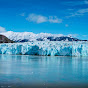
[29, 36]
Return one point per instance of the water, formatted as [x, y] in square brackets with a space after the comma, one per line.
[43, 72]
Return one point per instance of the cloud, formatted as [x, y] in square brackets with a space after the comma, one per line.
[80, 12]
[41, 19]
[66, 25]
[75, 3]
[85, 35]
[70, 9]
[36, 18]
[22, 14]
[86, 1]
[54, 19]
[73, 35]
[2, 29]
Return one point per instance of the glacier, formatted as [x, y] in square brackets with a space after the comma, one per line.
[48, 48]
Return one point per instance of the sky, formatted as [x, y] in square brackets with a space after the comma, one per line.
[47, 16]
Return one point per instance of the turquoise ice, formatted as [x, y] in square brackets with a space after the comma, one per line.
[47, 48]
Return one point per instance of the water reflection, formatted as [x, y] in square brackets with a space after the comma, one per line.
[43, 69]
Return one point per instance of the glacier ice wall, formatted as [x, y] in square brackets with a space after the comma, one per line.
[46, 48]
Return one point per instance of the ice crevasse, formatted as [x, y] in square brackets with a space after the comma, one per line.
[46, 48]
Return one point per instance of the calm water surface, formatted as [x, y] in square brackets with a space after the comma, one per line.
[43, 72]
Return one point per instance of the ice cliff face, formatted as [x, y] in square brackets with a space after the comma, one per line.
[46, 48]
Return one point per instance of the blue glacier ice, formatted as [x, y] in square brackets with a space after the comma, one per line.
[46, 48]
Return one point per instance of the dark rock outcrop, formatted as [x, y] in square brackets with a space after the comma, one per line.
[4, 39]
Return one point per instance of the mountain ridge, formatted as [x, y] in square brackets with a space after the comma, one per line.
[29, 36]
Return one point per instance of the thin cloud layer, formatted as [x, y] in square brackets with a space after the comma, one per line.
[73, 35]
[41, 19]
[66, 25]
[80, 12]
[22, 14]
[2, 29]
[76, 2]
[86, 1]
